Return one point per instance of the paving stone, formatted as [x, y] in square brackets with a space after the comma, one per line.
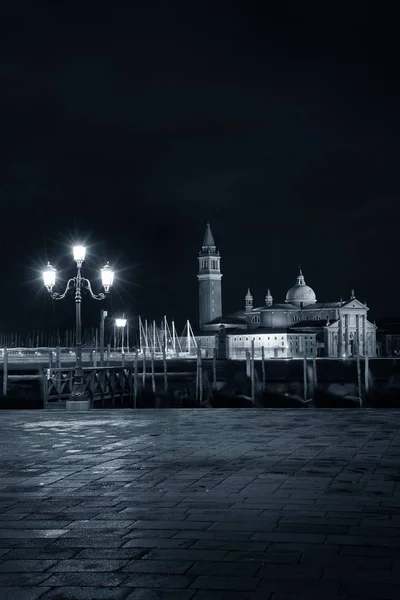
[158, 543]
[230, 595]
[40, 553]
[21, 593]
[75, 565]
[32, 533]
[312, 538]
[371, 591]
[157, 594]
[85, 579]
[22, 579]
[290, 571]
[170, 567]
[214, 535]
[231, 545]
[85, 593]
[226, 569]
[362, 575]
[210, 582]
[307, 596]
[25, 566]
[89, 542]
[194, 555]
[179, 525]
[277, 558]
[109, 553]
[158, 581]
[298, 585]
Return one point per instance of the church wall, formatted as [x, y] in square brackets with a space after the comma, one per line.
[276, 345]
[278, 319]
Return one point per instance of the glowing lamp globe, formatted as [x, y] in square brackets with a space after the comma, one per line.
[49, 276]
[107, 277]
[79, 253]
[120, 322]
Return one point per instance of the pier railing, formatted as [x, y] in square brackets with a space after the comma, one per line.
[102, 384]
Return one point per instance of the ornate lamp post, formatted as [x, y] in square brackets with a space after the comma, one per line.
[120, 323]
[78, 400]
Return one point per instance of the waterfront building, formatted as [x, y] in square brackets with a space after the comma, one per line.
[300, 326]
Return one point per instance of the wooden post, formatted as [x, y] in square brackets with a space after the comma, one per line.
[5, 372]
[50, 359]
[103, 315]
[366, 373]
[359, 378]
[315, 377]
[248, 364]
[144, 367]
[263, 366]
[135, 380]
[252, 373]
[94, 358]
[165, 370]
[199, 378]
[153, 379]
[108, 354]
[214, 368]
[305, 377]
[58, 357]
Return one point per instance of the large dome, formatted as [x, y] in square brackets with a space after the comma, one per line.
[301, 294]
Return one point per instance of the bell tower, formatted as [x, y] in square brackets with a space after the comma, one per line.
[209, 276]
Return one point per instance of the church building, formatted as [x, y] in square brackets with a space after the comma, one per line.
[300, 326]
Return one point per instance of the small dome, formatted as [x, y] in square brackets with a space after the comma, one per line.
[301, 294]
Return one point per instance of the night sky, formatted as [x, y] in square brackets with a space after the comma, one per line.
[130, 128]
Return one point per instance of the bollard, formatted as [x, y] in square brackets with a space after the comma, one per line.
[214, 368]
[305, 377]
[199, 378]
[315, 378]
[252, 373]
[165, 370]
[248, 364]
[359, 378]
[153, 379]
[366, 374]
[5, 372]
[135, 380]
[144, 368]
[263, 366]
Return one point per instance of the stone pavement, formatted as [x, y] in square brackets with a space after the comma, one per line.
[200, 504]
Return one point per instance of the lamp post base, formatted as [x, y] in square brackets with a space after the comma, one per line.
[78, 400]
[77, 405]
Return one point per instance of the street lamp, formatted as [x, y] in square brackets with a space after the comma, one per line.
[78, 400]
[120, 323]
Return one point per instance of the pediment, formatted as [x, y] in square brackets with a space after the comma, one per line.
[356, 304]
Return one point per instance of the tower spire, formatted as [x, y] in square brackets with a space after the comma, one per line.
[208, 237]
[268, 298]
[248, 300]
[209, 276]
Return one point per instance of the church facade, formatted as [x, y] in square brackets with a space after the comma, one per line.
[300, 326]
